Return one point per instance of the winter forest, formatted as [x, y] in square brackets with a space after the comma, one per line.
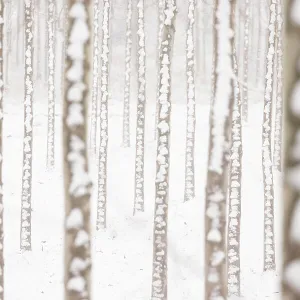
[149, 149]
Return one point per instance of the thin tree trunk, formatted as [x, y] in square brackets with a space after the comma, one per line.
[104, 80]
[8, 13]
[189, 191]
[46, 41]
[216, 187]
[51, 84]
[141, 108]
[77, 182]
[235, 189]
[128, 54]
[95, 87]
[38, 39]
[25, 236]
[1, 155]
[277, 152]
[269, 243]
[160, 229]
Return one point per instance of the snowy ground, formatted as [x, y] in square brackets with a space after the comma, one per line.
[122, 256]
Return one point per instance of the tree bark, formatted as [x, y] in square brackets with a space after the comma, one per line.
[77, 181]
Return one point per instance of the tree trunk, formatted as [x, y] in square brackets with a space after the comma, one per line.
[189, 191]
[141, 108]
[8, 27]
[269, 243]
[25, 238]
[37, 39]
[104, 80]
[216, 187]
[160, 229]
[51, 83]
[77, 182]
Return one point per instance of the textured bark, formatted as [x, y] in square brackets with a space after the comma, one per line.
[291, 250]
[160, 229]
[189, 191]
[216, 186]
[128, 54]
[95, 87]
[25, 236]
[38, 39]
[104, 81]
[269, 242]
[51, 15]
[141, 108]
[277, 151]
[77, 182]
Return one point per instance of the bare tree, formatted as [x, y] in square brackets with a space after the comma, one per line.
[160, 229]
[104, 80]
[95, 87]
[277, 151]
[189, 191]
[269, 244]
[126, 109]
[25, 243]
[216, 186]
[141, 107]
[51, 15]
[77, 182]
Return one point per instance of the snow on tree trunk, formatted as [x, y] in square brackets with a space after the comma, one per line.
[46, 40]
[161, 17]
[216, 188]
[189, 192]
[235, 181]
[1, 157]
[277, 151]
[141, 105]
[95, 86]
[51, 83]
[102, 169]
[77, 182]
[8, 29]
[269, 243]
[37, 39]
[291, 253]
[160, 229]
[25, 235]
[128, 50]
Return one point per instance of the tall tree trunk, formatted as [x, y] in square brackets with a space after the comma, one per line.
[95, 87]
[277, 152]
[51, 83]
[235, 188]
[160, 229]
[189, 191]
[37, 39]
[128, 54]
[216, 187]
[291, 251]
[141, 108]
[8, 28]
[269, 243]
[77, 182]
[46, 41]
[1, 154]
[104, 81]
[25, 237]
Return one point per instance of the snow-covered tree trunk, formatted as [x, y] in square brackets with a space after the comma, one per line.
[37, 39]
[104, 80]
[1, 151]
[161, 7]
[128, 50]
[235, 182]
[95, 87]
[160, 229]
[259, 37]
[245, 39]
[25, 235]
[141, 107]
[189, 191]
[51, 15]
[277, 151]
[269, 242]
[216, 186]
[8, 29]
[291, 253]
[77, 182]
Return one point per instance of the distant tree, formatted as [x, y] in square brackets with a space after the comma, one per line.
[77, 182]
